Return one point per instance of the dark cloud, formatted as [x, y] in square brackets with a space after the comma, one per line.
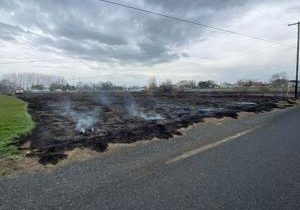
[84, 33]
[98, 31]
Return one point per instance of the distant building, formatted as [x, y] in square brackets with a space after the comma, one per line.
[292, 83]
[135, 89]
[19, 90]
[59, 90]
[39, 91]
[227, 85]
[259, 84]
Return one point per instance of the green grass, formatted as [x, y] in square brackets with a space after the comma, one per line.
[14, 121]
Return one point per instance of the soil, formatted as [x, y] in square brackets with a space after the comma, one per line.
[65, 121]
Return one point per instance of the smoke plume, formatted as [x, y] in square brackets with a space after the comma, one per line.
[134, 110]
[84, 119]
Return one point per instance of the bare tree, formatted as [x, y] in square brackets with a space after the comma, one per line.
[191, 84]
[279, 80]
[152, 84]
[246, 83]
[7, 87]
[27, 80]
[166, 87]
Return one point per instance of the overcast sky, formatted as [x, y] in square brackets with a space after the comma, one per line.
[94, 41]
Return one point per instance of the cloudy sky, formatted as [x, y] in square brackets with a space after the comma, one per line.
[94, 41]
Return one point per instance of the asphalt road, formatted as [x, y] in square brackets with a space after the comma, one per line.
[249, 163]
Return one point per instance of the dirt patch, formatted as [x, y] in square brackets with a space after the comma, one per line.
[13, 165]
[95, 120]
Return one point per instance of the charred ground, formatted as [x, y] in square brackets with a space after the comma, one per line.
[65, 121]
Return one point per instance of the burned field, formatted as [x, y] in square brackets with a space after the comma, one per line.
[69, 120]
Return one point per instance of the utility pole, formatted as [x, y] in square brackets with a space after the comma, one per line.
[297, 64]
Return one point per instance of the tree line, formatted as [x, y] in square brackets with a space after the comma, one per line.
[40, 82]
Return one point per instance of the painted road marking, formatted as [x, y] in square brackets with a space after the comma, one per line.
[208, 146]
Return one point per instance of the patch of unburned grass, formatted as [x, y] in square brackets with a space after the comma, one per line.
[14, 121]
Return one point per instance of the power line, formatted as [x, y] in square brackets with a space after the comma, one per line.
[193, 22]
[245, 39]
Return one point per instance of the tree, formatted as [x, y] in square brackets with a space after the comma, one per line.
[152, 84]
[246, 83]
[7, 86]
[207, 84]
[37, 87]
[54, 87]
[279, 80]
[187, 84]
[107, 85]
[166, 87]
[27, 80]
[68, 87]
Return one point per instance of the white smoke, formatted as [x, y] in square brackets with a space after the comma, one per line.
[150, 116]
[84, 119]
[84, 122]
[134, 110]
[105, 99]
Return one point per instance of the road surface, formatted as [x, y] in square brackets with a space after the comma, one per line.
[249, 163]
